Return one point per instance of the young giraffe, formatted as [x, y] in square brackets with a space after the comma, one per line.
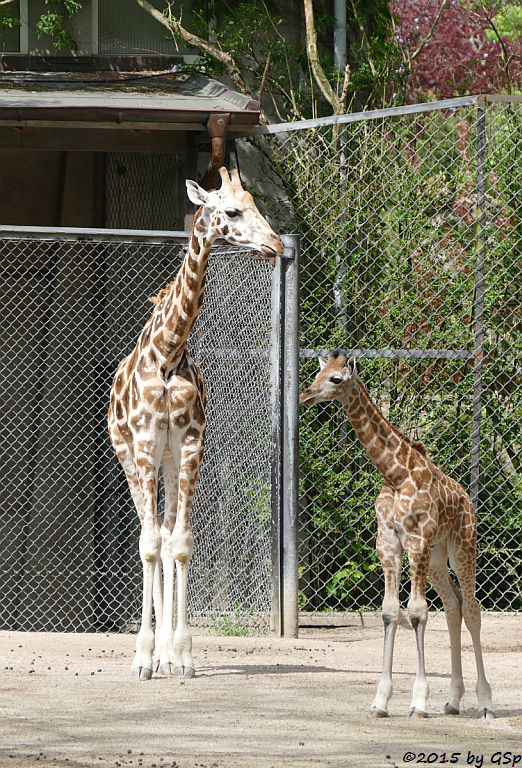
[157, 416]
[430, 516]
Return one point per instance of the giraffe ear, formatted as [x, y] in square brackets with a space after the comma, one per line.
[350, 370]
[196, 194]
[322, 362]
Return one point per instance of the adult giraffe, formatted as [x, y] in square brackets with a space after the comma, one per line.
[157, 416]
[429, 515]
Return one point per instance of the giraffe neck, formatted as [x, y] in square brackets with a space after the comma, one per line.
[178, 305]
[383, 443]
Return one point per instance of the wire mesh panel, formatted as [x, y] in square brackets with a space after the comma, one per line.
[72, 308]
[145, 190]
[396, 210]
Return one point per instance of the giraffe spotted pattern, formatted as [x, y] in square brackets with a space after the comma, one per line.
[157, 417]
[425, 513]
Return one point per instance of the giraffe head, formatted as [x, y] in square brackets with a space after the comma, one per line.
[335, 380]
[230, 213]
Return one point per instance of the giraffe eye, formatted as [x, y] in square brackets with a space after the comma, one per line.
[232, 213]
[336, 379]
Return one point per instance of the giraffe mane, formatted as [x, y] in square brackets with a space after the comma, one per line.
[161, 295]
[417, 445]
[164, 291]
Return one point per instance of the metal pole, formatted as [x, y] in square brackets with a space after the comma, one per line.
[478, 352]
[290, 438]
[340, 34]
[275, 441]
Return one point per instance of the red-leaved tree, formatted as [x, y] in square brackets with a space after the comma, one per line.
[455, 47]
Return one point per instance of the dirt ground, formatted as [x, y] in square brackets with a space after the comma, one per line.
[69, 700]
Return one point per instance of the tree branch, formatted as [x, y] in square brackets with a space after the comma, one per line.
[291, 95]
[265, 75]
[346, 85]
[177, 30]
[506, 57]
[430, 34]
[365, 38]
[313, 57]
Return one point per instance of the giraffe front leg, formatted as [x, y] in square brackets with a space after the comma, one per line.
[183, 547]
[390, 555]
[142, 664]
[418, 613]
[157, 593]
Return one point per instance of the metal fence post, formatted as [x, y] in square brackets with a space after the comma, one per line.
[478, 352]
[275, 441]
[290, 438]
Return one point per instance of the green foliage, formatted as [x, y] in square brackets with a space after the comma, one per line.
[235, 624]
[508, 22]
[256, 35]
[341, 584]
[387, 214]
[8, 21]
[51, 23]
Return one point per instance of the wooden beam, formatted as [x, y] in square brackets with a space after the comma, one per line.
[91, 139]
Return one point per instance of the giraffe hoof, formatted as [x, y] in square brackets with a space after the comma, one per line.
[142, 673]
[449, 710]
[420, 713]
[185, 672]
[167, 668]
[487, 714]
[374, 712]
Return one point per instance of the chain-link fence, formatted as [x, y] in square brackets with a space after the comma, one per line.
[145, 190]
[410, 223]
[73, 305]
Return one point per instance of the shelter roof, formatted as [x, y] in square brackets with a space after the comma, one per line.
[154, 100]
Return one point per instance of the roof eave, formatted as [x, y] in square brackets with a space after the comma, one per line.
[114, 116]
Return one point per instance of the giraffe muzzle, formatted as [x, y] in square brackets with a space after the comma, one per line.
[308, 397]
[269, 251]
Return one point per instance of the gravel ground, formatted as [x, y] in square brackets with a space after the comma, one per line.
[69, 700]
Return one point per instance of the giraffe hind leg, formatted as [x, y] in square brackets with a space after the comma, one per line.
[462, 553]
[451, 600]
[165, 646]
[418, 556]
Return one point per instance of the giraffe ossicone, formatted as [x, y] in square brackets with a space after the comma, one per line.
[157, 417]
[427, 514]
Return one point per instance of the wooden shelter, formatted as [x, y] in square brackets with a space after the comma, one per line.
[111, 148]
